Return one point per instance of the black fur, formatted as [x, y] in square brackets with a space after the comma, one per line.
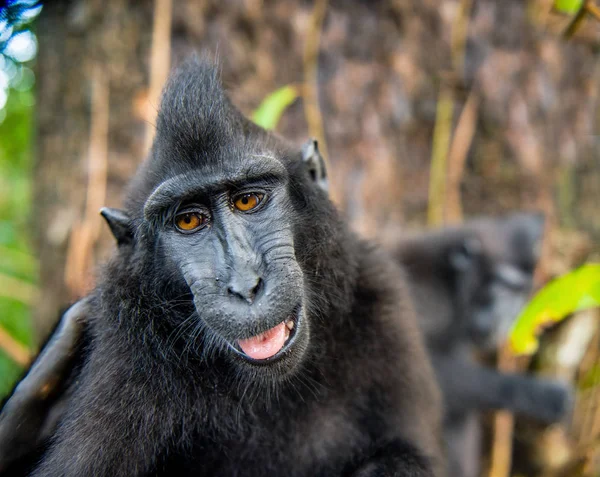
[31, 413]
[162, 391]
[468, 284]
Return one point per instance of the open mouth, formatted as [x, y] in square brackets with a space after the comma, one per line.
[271, 343]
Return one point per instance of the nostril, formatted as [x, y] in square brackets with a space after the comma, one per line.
[257, 288]
[231, 291]
[244, 292]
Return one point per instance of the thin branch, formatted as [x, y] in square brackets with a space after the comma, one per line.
[160, 62]
[86, 232]
[586, 410]
[15, 350]
[576, 21]
[98, 149]
[312, 109]
[593, 10]
[447, 163]
[501, 456]
[459, 33]
[439, 155]
[457, 158]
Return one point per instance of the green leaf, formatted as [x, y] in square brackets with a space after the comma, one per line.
[577, 290]
[567, 6]
[269, 112]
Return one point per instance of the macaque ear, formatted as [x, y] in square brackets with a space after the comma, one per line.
[462, 256]
[120, 225]
[315, 164]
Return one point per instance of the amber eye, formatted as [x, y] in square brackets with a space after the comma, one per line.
[190, 221]
[246, 202]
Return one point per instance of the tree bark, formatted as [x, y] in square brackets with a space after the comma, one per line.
[81, 44]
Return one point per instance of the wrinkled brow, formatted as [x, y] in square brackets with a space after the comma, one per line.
[197, 182]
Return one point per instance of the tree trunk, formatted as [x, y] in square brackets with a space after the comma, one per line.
[92, 65]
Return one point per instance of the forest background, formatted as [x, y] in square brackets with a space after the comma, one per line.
[428, 111]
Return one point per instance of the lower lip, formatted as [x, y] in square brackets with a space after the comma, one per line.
[286, 346]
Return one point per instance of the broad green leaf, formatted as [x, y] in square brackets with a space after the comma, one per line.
[269, 112]
[577, 290]
[567, 6]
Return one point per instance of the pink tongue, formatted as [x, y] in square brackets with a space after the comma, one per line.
[266, 344]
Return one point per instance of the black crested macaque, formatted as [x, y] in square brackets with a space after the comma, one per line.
[31, 413]
[246, 330]
[469, 284]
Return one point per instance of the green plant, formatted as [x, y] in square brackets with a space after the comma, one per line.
[577, 290]
[568, 6]
[272, 107]
[16, 261]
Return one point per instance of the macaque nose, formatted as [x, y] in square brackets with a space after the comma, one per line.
[245, 287]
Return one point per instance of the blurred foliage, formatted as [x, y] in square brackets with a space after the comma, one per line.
[269, 112]
[568, 6]
[15, 16]
[15, 192]
[577, 290]
[17, 46]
